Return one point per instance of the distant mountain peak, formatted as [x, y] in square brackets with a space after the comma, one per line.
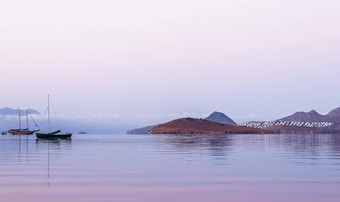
[219, 117]
[313, 112]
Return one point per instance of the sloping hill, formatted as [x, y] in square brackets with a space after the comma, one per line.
[333, 116]
[334, 113]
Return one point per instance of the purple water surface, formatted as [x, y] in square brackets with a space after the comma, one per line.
[171, 168]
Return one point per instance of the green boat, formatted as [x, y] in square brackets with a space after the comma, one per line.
[55, 134]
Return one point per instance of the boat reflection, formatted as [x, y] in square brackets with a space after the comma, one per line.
[56, 145]
[52, 148]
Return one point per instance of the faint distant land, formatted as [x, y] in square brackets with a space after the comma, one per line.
[10, 111]
[143, 130]
[201, 126]
[219, 117]
[303, 123]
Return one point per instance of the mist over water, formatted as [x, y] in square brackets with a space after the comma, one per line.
[171, 168]
[67, 124]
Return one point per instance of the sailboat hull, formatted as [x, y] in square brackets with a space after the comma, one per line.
[53, 136]
[21, 132]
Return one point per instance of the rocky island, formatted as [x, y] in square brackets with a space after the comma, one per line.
[217, 117]
[202, 126]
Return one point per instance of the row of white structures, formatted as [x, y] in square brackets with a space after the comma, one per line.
[256, 124]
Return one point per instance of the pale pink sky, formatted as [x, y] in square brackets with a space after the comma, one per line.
[149, 61]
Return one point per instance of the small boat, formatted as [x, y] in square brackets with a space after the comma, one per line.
[54, 134]
[4, 133]
[21, 131]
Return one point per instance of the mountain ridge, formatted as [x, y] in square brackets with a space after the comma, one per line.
[303, 116]
[314, 116]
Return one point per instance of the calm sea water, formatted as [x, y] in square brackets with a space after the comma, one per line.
[171, 168]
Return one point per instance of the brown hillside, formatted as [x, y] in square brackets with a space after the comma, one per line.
[201, 126]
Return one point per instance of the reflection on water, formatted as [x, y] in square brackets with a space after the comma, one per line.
[218, 146]
[54, 147]
[171, 168]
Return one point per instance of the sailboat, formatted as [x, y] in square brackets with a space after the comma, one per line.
[21, 131]
[52, 134]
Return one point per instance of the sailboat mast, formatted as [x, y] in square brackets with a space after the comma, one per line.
[27, 118]
[19, 118]
[48, 112]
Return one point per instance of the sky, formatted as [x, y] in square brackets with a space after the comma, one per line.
[149, 61]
